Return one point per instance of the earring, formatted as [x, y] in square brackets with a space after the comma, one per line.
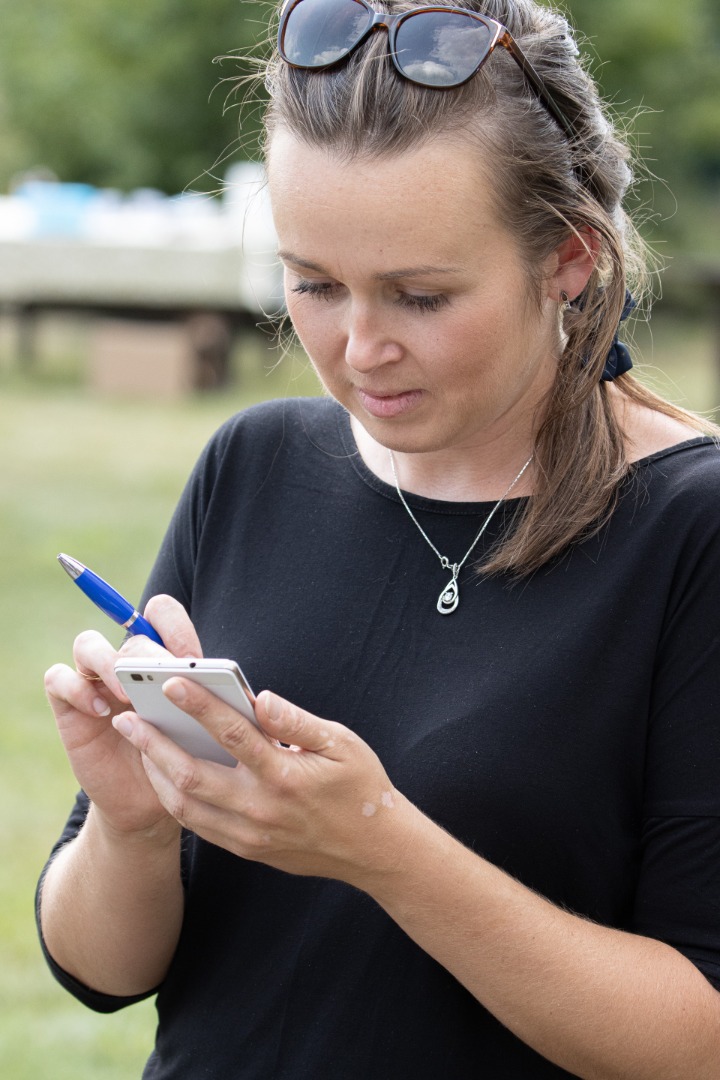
[565, 299]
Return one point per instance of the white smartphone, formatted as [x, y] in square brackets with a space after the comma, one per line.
[143, 679]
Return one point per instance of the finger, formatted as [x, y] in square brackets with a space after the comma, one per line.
[230, 728]
[294, 726]
[232, 827]
[94, 655]
[209, 817]
[174, 625]
[181, 781]
[223, 805]
[68, 691]
[139, 645]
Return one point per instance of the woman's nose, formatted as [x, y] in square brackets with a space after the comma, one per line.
[370, 343]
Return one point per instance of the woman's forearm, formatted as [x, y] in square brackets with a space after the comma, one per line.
[599, 1002]
[112, 905]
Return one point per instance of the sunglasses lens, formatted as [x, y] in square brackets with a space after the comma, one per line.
[321, 32]
[438, 48]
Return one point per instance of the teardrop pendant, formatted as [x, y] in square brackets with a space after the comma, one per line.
[449, 598]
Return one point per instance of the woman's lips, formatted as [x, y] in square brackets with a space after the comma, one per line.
[385, 406]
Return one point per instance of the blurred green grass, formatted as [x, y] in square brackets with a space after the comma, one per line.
[98, 478]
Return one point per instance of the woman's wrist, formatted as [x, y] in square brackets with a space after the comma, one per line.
[404, 836]
[156, 835]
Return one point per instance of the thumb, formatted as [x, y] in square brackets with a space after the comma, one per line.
[294, 726]
[172, 622]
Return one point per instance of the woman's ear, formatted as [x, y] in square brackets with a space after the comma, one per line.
[573, 263]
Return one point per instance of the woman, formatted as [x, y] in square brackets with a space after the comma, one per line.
[480, 839]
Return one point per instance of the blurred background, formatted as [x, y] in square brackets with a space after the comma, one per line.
[135, 264]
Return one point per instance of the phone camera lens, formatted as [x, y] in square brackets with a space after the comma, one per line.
[136, 676]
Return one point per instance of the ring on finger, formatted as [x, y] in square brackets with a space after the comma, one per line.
[91, 677]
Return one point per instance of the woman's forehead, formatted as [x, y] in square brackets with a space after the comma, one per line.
[437, 164]
[433, 199]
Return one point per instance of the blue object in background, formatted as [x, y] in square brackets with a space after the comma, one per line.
[59, 209]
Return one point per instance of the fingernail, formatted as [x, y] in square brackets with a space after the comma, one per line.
[273, 706]
[101, 706]
[175, 690]
[123, 725]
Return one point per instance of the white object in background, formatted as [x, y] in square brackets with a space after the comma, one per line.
[18, 218]
[250, 217]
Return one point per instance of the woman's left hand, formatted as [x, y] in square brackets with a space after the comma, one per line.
[321, 804]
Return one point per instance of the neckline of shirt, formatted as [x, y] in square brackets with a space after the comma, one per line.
[442, 506]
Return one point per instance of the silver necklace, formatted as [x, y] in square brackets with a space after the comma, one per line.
[450, 595]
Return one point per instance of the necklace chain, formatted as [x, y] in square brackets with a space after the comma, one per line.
[450, 596]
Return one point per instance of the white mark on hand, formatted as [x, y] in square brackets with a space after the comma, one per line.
[285, 772]
[369, 808]
[387, 799]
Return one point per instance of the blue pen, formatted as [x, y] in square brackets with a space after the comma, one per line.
[108, 599]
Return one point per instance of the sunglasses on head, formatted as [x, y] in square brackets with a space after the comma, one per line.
[433, 46]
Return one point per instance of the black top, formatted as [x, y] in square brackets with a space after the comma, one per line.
[564, 727]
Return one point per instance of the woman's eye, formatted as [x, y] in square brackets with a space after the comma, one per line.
[324, 289]
[327, 290]
[420, 302]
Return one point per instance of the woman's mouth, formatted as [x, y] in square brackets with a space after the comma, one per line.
[386, 406]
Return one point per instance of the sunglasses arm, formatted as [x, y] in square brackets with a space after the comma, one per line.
[536, 83]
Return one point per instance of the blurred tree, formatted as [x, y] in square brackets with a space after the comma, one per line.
[661, 63]
[120, 93]
[125, 93]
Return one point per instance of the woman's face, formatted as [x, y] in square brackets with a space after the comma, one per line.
[410, 297]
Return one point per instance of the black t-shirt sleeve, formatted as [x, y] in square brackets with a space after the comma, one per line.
[678, 896]
[174, 568]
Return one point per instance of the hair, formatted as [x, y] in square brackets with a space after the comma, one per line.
[547, 187]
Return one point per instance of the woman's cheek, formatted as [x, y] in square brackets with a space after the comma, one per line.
[319, 338]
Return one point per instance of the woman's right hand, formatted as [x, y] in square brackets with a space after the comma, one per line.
[84, 701]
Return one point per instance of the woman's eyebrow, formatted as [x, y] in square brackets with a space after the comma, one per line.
[424, 270]
[288, 256]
